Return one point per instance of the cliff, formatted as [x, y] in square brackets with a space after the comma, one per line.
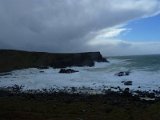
[14, 59]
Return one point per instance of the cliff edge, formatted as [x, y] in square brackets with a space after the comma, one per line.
[14, 59]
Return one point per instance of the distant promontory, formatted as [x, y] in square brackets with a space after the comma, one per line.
[15, 59]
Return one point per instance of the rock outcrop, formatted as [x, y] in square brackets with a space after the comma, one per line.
[68, 71]
[14, 59]
[125, 73]
[127, 82]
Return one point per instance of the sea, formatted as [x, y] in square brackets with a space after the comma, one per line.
[144, 76]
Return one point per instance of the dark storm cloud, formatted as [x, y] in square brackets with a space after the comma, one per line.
[64, 25]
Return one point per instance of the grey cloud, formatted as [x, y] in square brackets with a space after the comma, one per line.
[131, 48]
[63, 25]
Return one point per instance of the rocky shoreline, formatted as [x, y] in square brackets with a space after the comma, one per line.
[139, 95]
[66, 106]
[74, 103]
[103, 89]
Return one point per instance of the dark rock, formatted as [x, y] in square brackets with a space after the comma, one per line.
[67, 71]
[156, 92]
[15, 88]
[14, 59]
[126, 89]
[151, 95]
[42, 67]
[4, 74]
[127, 82]
[146, 94]
[125, 73]
[126, 92]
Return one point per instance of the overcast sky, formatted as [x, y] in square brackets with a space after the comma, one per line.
[114, 27]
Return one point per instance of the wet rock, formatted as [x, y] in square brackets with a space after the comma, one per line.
[124, 73]
[15, 88]
[4, 74]
[127, 82]
[126, 92]
[156, 92]
[67, 71]
[150, 95]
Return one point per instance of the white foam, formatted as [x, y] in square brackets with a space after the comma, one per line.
[94, 77]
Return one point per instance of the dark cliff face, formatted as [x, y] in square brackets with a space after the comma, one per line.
[12, 59]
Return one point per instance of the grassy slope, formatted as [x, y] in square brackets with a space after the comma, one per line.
[75, 107]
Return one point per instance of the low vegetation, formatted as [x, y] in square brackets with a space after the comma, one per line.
[64, 106]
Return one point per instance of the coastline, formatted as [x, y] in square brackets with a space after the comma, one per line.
[64, 106]
[89, 91]
[45, 93]
[16, 59]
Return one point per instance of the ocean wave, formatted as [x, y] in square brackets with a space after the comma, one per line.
[102, 74]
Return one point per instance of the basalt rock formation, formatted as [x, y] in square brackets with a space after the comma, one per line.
[14, 59]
